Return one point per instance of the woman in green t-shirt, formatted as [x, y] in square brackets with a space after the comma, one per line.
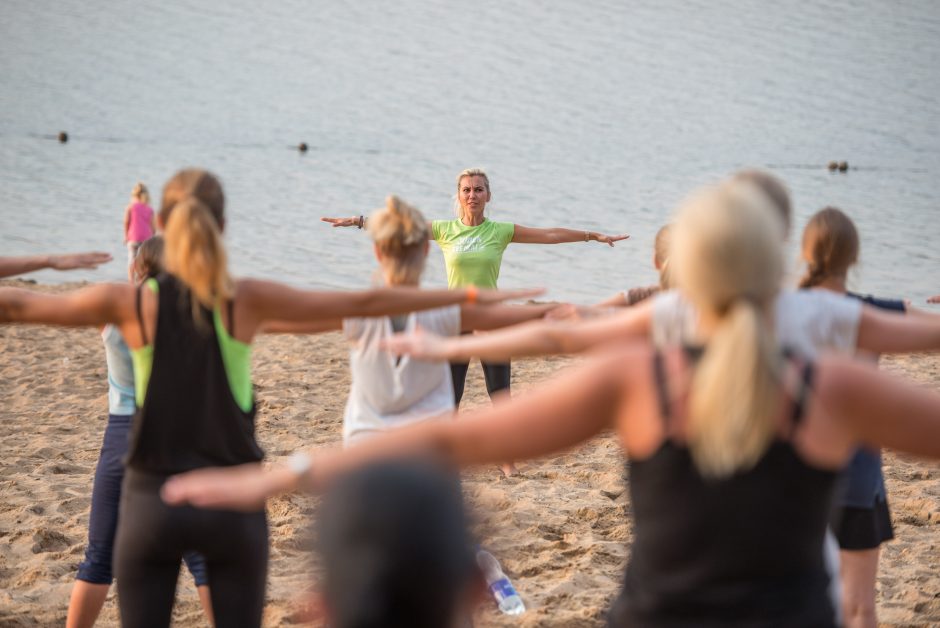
[473, 248]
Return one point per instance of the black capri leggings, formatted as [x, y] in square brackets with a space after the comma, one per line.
[153, 536]
[497, 377]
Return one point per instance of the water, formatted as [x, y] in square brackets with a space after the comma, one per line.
[587, 115]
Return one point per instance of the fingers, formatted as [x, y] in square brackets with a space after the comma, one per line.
[935, 299]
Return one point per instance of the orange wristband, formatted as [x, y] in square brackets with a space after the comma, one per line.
[472, 293]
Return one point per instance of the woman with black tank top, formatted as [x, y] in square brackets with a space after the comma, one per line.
[734, 447]
[189, 332]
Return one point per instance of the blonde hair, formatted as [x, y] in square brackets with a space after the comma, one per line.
[469, 172]
[727, 257]
[661, 256]
[830, 246]
[401, 234]
[140, 193]
[193, 216]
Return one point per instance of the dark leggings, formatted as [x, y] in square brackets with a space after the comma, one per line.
[497, 377]
[105, 498]
[152, 538]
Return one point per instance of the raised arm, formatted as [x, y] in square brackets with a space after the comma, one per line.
[879, 409]
[557, 235]
[10, 266]
[529, 339]
[304, 327]
[880, 331]
[559, 414]
[96, 305]
[360, 222]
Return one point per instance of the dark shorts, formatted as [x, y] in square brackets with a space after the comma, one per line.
[862, 528]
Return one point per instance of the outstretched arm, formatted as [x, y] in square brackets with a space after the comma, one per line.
[360, 222]
[561, 413]
[879, 409]
[10, 266]
[557, 235]
[482, 317]
[880, 331]
[529, 339]
[262, 301]
[96, 305]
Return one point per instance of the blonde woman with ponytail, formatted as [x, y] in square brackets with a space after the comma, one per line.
[734, 447]
[189, 332]
[473, 246]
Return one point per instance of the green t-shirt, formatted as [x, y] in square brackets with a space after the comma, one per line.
[472, 254]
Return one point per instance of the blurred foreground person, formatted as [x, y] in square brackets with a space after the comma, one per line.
[735, 446]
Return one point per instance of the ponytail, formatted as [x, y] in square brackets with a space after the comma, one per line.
[400, 233]
[830, 246]
[727, 258]
[140, 193]
[195, 254]
[735, 394]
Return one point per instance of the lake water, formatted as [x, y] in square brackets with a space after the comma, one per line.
[599, 115]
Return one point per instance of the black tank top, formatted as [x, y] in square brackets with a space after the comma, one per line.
[189, 418]
[746, 550]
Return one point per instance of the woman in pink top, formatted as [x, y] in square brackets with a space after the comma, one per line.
[138, 224]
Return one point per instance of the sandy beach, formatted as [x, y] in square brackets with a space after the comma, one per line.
[561, 528]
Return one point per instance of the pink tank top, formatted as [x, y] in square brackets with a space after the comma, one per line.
[140, 228]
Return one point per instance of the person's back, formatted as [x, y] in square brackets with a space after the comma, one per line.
[190, 417]
[389, 392]
[737, 550]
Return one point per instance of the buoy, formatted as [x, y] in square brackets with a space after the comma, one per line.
[302, 147]
[63, 137]
[833, 165]
[843, 166]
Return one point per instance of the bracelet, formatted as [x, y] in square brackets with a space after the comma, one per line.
[472, 293]
[587, 236]
[362, 220]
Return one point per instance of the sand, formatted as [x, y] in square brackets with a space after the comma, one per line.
[560, 528]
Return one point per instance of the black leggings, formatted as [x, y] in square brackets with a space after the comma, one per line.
[497, 377]
[153, 536]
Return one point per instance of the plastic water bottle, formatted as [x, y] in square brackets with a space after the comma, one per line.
[505, 594]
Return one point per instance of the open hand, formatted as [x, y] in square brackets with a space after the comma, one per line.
[342, 222]
[72, 261]
[244, 487]
[420, 344]
[935, 299]
[610, 239]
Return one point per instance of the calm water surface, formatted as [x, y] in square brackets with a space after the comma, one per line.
[598, 115]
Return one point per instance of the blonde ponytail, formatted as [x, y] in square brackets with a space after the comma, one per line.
[727, 257]
[195, 254]
[735, 394]
[401, 234]
[140, 193]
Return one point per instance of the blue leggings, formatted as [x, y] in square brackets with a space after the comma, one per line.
[105, 497]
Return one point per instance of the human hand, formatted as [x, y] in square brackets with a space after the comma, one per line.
[72, 261]
[564, 312]
[420, 344]
[343, 222]
[609, 239]
[935, 299]
[244, 487]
